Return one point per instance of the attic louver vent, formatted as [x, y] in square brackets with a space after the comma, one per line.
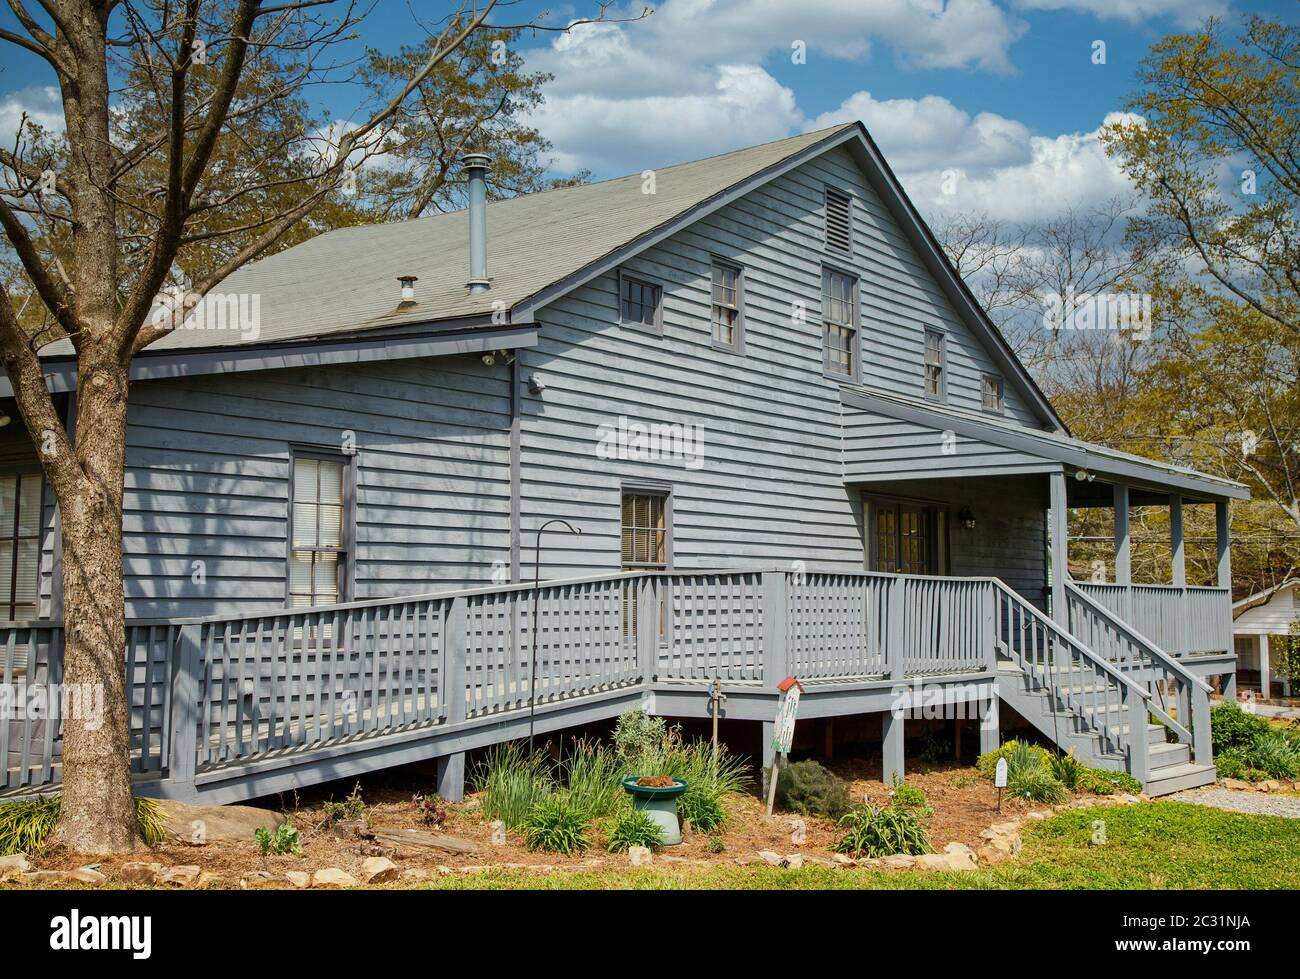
[839, 222]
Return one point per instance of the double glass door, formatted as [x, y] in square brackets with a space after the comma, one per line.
[905, 537]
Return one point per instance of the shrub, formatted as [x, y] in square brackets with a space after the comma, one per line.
[808, 788]
[592, 771]
[556, 824]
[634, 827]
[1100, 781]
[911, 798]
[1230, 764]
[715, 844]
[283, 839]
[1231, 727]
[1068, 770]
[512, 783]
[26, 825]
[881, 832]
[638, 738]
[702, 808]
[987, 763]
[646, 746]
[1272, 753]
[1036, 783]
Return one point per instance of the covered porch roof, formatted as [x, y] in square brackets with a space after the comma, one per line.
[889, 436]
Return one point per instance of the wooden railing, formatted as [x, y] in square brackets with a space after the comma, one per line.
[1092, 695]
[1180, 620]
[219, 692]
[1182, 697]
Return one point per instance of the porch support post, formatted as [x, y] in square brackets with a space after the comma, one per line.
[1058, 530]
[892, 744]
[1265, 688]
[1230, 686]
[451, 777]
[1178, 553]
[1223, 539]
[1123, 552]
[990, 731]
[1176, 540]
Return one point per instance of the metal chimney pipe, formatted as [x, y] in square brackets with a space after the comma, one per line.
[476, 167]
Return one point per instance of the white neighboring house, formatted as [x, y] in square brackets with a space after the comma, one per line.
[1255, 618]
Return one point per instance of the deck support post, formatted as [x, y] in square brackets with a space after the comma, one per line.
[892, 724]
[452, 681]
[1139, 760]
[1222, 538]
[1230, 686]
[768, 752]
[990, 724]
[1058, 527]
[1202, 752]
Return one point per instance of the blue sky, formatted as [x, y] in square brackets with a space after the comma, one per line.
[1002, 92]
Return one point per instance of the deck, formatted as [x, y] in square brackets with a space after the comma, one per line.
[230, 708]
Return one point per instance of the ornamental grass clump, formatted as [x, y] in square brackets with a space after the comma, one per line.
[512, 783]
[882, 833]
[556, 824]
[633, 827]
[25, 825]
[593, 775]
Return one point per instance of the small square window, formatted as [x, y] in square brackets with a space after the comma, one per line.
[726, 306]
[992, 393]
[935, 357]
[640, 304]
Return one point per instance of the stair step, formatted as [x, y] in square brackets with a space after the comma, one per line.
[1176, 778]
[1168, 755]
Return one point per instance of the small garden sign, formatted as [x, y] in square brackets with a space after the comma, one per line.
[783, 735]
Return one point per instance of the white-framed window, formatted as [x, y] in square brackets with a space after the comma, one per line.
[640, 303]
[20, 544]
[839, 324]
[936, 354]
[839, 221]
[320, 534]
[991, 393]
[727, 298]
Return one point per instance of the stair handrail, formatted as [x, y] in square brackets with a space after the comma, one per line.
[1166, 660]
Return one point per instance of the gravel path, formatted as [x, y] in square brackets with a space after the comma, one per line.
[1258, 803]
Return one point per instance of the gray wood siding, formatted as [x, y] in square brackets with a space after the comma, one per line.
[877, 447]
[208, 480]
[771, 487]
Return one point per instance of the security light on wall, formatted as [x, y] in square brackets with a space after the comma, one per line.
[966, 518]
[1083, 476]
[535, 384]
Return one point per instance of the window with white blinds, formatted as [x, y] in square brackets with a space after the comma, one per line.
[20, 545]
[318, 554]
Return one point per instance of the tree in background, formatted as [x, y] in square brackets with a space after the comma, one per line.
[188, 151]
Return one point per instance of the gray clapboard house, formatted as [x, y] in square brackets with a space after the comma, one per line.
[782, 436]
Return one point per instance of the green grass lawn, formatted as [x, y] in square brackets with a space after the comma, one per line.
[1166, 845]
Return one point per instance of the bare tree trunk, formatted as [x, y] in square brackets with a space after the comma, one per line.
[98, 814]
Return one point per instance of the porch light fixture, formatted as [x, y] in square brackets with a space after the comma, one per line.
[966, 518]
[408, 287]
[1083, 476]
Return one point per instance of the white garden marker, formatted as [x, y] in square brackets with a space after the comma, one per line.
[1000, 779]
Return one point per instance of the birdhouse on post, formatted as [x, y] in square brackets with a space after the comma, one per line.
[783, 732]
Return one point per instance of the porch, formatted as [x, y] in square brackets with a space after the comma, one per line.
[230, 708]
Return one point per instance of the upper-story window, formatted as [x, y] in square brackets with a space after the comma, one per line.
[839, 221]
[726, 306]
[640, 303]
[20, 545]
[991, 388]
[935, 363]
[839, 323]
[318, 552]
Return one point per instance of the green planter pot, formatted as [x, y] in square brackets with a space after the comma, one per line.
[659, 804]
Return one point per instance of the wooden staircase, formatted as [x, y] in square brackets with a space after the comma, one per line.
[1092, 704]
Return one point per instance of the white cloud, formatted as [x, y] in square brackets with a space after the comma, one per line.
[42, 104]
[999, 165]
[1186, 13]
[615, 135]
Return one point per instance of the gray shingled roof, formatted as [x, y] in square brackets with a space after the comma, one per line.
[345, 280]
